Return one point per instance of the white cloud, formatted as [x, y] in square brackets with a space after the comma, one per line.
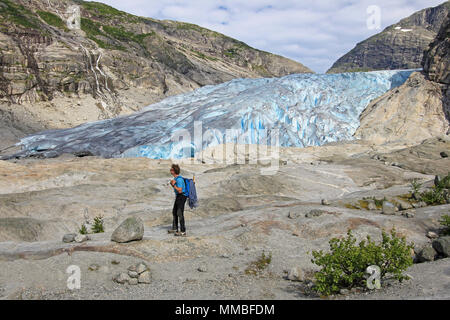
[315, 33]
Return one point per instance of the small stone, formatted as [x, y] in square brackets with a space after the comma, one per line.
[133, 281]
[141, 267]
[371, 205]
[442, 246]
[325, 202]
[296, 274]
[133, 274]
[404, 205]
[244, 225]
[292, 215]
[202, 269]
[444, 154]
[145, 277]
[132, 268]
[115, 262]
[122, 278]
[388, 208]
[94, 267]
[81, 238]
[432, 235]
[409, 214]
[426, 254]
[70, 237]
[344, 291]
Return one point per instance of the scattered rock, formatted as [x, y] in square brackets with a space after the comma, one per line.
[437, 180]
[371, 205]
[202, 269]
[427, 254]
[292, 215]
[409, 214]
[70, 237]
[145, 277]
[94, 267]
[388, 208]
[314, 213]
[141, 267]
[81, 238]
[115, 262]
[325, 202]
[404, 205]
[432, 235]
[296, 274]
[444, 154]
[442, 246]
[132, 229]
[133, 281]
[132, 268]
[344, 291]
[133, 274]
[122, 278]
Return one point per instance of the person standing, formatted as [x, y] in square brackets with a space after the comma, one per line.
[179, 187]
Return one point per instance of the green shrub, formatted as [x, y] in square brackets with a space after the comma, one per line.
[445, 222]
[415, 186]
[444, 183]
[345, 266]
[83, 229]
[434, 196]
[98, 226]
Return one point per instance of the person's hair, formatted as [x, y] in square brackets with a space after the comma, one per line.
[176, 168]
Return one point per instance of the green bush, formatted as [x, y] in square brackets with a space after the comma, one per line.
[434, 196]
[83, 229]
[98, 226]
[415, 186]
[345, 266]
[445, 222]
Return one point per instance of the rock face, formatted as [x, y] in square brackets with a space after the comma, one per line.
[115, 64]
[442, 245]
[131, 229]
[399, 46]
[413, 112]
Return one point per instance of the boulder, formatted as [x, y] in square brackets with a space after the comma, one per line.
[427, 254]
[444, 154]
[404, 205]
[388, 208]
[145, 277]
[296, 274]
[70, 237]
[132, 229]
[442, 246]
[432, 235]
[133, 274]
[325, 202]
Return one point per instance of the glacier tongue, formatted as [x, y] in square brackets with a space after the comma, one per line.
[307, 109]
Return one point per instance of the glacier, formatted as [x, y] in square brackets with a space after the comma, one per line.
[306, 110]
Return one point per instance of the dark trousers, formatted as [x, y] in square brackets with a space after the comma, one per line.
[178, 212]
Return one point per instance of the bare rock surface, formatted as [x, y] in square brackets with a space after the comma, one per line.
[226, 234]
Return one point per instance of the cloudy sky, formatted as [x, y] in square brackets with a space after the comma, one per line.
[313, 32]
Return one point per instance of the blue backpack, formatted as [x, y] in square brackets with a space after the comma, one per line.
[191, 193]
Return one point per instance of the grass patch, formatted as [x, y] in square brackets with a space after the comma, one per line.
[445, 222]
[98, 226]
[83, 229]
[102, 9]
[18, 15]
[52, 19]
[259, 265]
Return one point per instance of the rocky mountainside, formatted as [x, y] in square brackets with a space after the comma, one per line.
[399, 46]
[420, 108]
[114, 63]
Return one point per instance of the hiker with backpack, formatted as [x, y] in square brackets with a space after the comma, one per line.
[184, 189]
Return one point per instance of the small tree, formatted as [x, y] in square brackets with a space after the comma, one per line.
[345, 266]
[98, 226]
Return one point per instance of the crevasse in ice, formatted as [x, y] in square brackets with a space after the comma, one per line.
[306, 110]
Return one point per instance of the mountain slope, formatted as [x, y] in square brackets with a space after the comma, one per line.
[399, 46]
[420, 108]
[116, 64]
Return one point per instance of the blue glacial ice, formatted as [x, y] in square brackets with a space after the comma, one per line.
[306, 109]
